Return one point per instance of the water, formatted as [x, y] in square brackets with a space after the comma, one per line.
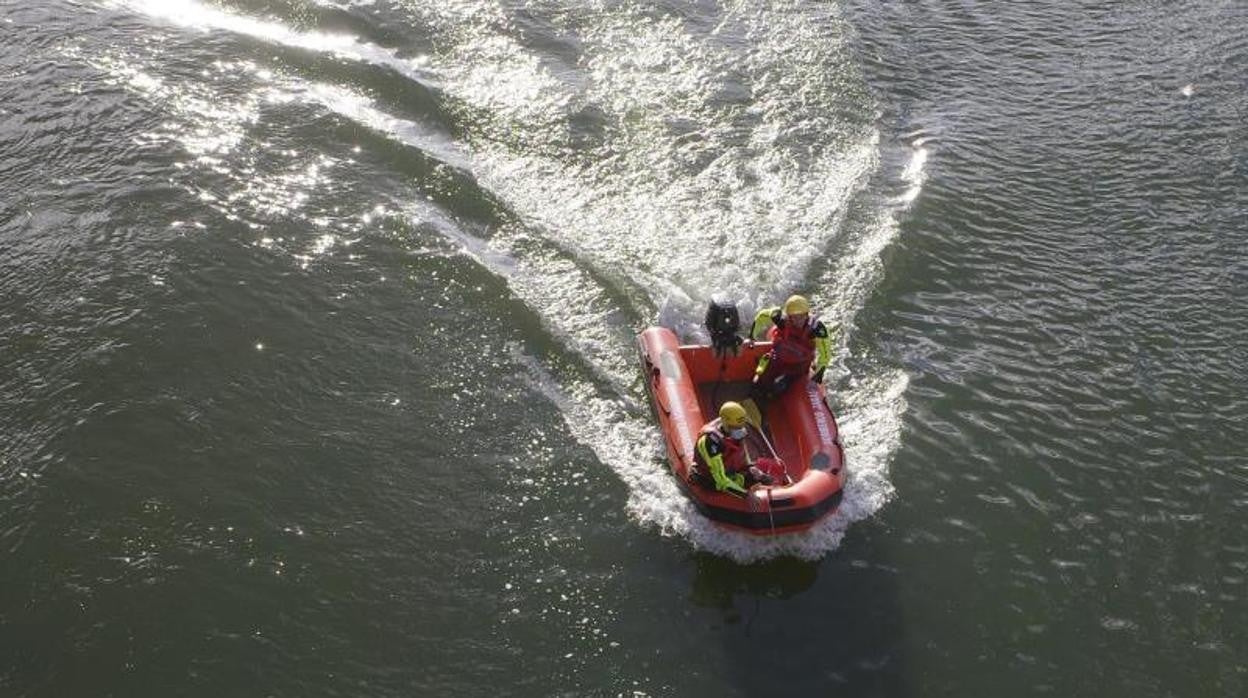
[316, 336]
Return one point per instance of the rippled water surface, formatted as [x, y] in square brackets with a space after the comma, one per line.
[316, 345]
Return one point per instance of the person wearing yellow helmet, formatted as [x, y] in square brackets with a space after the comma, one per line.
[722, 458]
[798, 340]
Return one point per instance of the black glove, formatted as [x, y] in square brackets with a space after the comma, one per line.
[818, 377]
[759, 476]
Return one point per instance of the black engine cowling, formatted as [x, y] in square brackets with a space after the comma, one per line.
[723, 322]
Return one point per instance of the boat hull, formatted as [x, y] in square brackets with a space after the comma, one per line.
[687, 384]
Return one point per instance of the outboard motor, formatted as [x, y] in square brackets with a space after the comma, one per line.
[723, 322]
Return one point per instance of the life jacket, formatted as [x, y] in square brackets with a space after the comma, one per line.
[733, 451]
[792, 343]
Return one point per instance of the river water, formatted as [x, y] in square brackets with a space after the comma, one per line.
[317, 361]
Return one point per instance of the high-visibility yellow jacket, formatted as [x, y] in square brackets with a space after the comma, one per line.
[771, 323]
[712, 449]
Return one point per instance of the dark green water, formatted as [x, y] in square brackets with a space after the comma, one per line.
[316, 359]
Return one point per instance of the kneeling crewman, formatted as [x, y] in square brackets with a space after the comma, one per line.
[797, 338]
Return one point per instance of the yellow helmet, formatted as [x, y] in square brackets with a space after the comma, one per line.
[732, 415]
[796, 305]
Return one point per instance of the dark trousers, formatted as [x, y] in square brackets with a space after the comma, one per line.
[778, 376]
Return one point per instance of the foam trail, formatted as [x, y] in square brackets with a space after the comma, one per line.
[682, 195]
[202, 17]
[549, 281]
[914, 174]
[683, 233]
[856, 271]
[640, 215]
[359, 109]
[540, 275]
[708, 154]
[771, 201]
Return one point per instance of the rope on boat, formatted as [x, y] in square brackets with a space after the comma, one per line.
[787, 479]
[771, 517]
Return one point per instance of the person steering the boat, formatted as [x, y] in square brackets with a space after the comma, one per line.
[722, 459]
[798, 339]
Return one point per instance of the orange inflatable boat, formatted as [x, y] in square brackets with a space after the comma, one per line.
[687, 384]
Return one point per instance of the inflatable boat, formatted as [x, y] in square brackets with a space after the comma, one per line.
[688, 383]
